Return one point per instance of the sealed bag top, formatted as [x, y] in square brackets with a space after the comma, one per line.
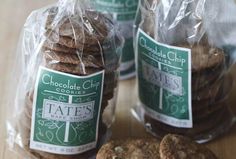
[70, 33]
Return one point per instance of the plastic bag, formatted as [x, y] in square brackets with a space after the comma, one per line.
[124, 13]
[183, 65]
[66, 82]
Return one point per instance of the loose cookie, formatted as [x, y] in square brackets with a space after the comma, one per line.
[130, 149]
[179, 147]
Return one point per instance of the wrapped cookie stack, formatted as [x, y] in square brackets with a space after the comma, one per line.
[210, 88]
[123, 12]
[66, 100]
[182, 75]
[83, 49]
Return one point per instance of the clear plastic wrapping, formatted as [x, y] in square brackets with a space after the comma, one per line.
[123, 12]
[183, 67]
[66, 82]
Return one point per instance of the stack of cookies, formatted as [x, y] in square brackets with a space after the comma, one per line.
[210, 87]
[210, 80]
[79, 45]
[82, 47]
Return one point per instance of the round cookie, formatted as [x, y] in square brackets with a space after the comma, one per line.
[204, 78]
[208, 92]
[179, 147]
[200, 126]
[71, 33]
[98, 21]
[148, 23]
[109, 87]
[72, 69]
[96, 50]
[82, 60]
[211, 112]
[209, 106]
[111, 77]
[205, 57]
[108, 96]
[71, 64]
[112, 64]
[208, 110]
[67, 35]
[57, 47]
[225, 89]
[130, 149]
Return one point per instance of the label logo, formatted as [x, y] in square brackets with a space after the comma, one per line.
[162, 79]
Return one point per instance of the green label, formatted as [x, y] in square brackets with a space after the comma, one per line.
[122, 10]
[164, 74]
[66, 112]
[128, 64]
[128, 49]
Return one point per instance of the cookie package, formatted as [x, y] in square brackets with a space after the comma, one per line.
[185, 50]
[123, 12]
[65, 83]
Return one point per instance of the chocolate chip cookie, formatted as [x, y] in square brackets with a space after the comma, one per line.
[179, 147]
[130, 149]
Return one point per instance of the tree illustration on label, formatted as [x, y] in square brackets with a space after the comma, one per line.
[68, 124]
[68, 112]
[161, 90]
